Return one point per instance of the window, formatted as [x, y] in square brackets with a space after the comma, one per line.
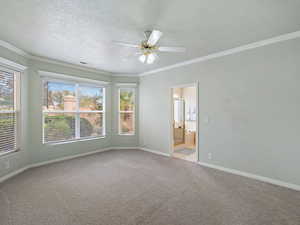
[9, 110]
[126, 111]
[72, 111]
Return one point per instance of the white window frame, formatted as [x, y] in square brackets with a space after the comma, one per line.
[17, 107]
[76, 112]
[122, 111]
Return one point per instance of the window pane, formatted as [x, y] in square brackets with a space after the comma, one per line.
[91, 124]
[6, 91]
[91, 98]
[59, 96]
[126, 123]
[59, 127]
[7, 132]
[126, 99]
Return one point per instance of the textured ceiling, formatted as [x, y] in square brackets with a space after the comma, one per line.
[78, 30]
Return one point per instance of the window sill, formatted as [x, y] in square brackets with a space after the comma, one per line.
[8, 153]
[126, 134]
[73, 141]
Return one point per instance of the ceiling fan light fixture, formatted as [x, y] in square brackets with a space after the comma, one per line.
[142, 58]
[151, 58]
[149, 47]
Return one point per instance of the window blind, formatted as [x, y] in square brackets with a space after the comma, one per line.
[8, 112]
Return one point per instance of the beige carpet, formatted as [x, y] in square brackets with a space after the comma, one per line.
[134, 187]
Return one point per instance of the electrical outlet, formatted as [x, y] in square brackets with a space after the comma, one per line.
[6, 164]
[209, 156]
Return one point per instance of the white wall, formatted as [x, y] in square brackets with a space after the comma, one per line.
[251, 100]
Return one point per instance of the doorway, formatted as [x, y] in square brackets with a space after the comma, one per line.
[184, 126]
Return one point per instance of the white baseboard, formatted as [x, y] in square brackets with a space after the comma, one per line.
[155, 151]
[124, 148]
[228, 170]
[68, 157]
[12, 174]
[252, 176]
[237, 172]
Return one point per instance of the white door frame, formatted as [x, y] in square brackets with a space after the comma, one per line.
[196, 85]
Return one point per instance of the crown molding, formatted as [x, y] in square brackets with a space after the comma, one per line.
[12, 64]
[50, 75]
[13, 48]
[281, 38]
[25, 54]
[124, 84]
[125, 74]
[71, 65]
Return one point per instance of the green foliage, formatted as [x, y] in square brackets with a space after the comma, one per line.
[93, 103]
[58, 127]
[62, 127]
[126, 100]
[6, 123]
[86, 128]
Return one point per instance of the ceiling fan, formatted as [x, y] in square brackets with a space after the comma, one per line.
[149, 48]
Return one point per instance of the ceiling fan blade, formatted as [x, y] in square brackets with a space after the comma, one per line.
[126, 44]
[154, 37]
[171, 49]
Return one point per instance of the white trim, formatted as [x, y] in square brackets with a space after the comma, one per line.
[77, 115]
[21, 52]
[131, 111]
[171, 148]
[71, 65]
[77, 112]
[280, 38]
[104, 117]
[13, 48]
[236, 172]
[8, 153]
[5, 62]
[155, 151]
[126, 84]
[51, 75]
[75, 140]
[185, 85]
[68, 157]
[124, 148]
[14, 173]
[252, 176]
[284, 37]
